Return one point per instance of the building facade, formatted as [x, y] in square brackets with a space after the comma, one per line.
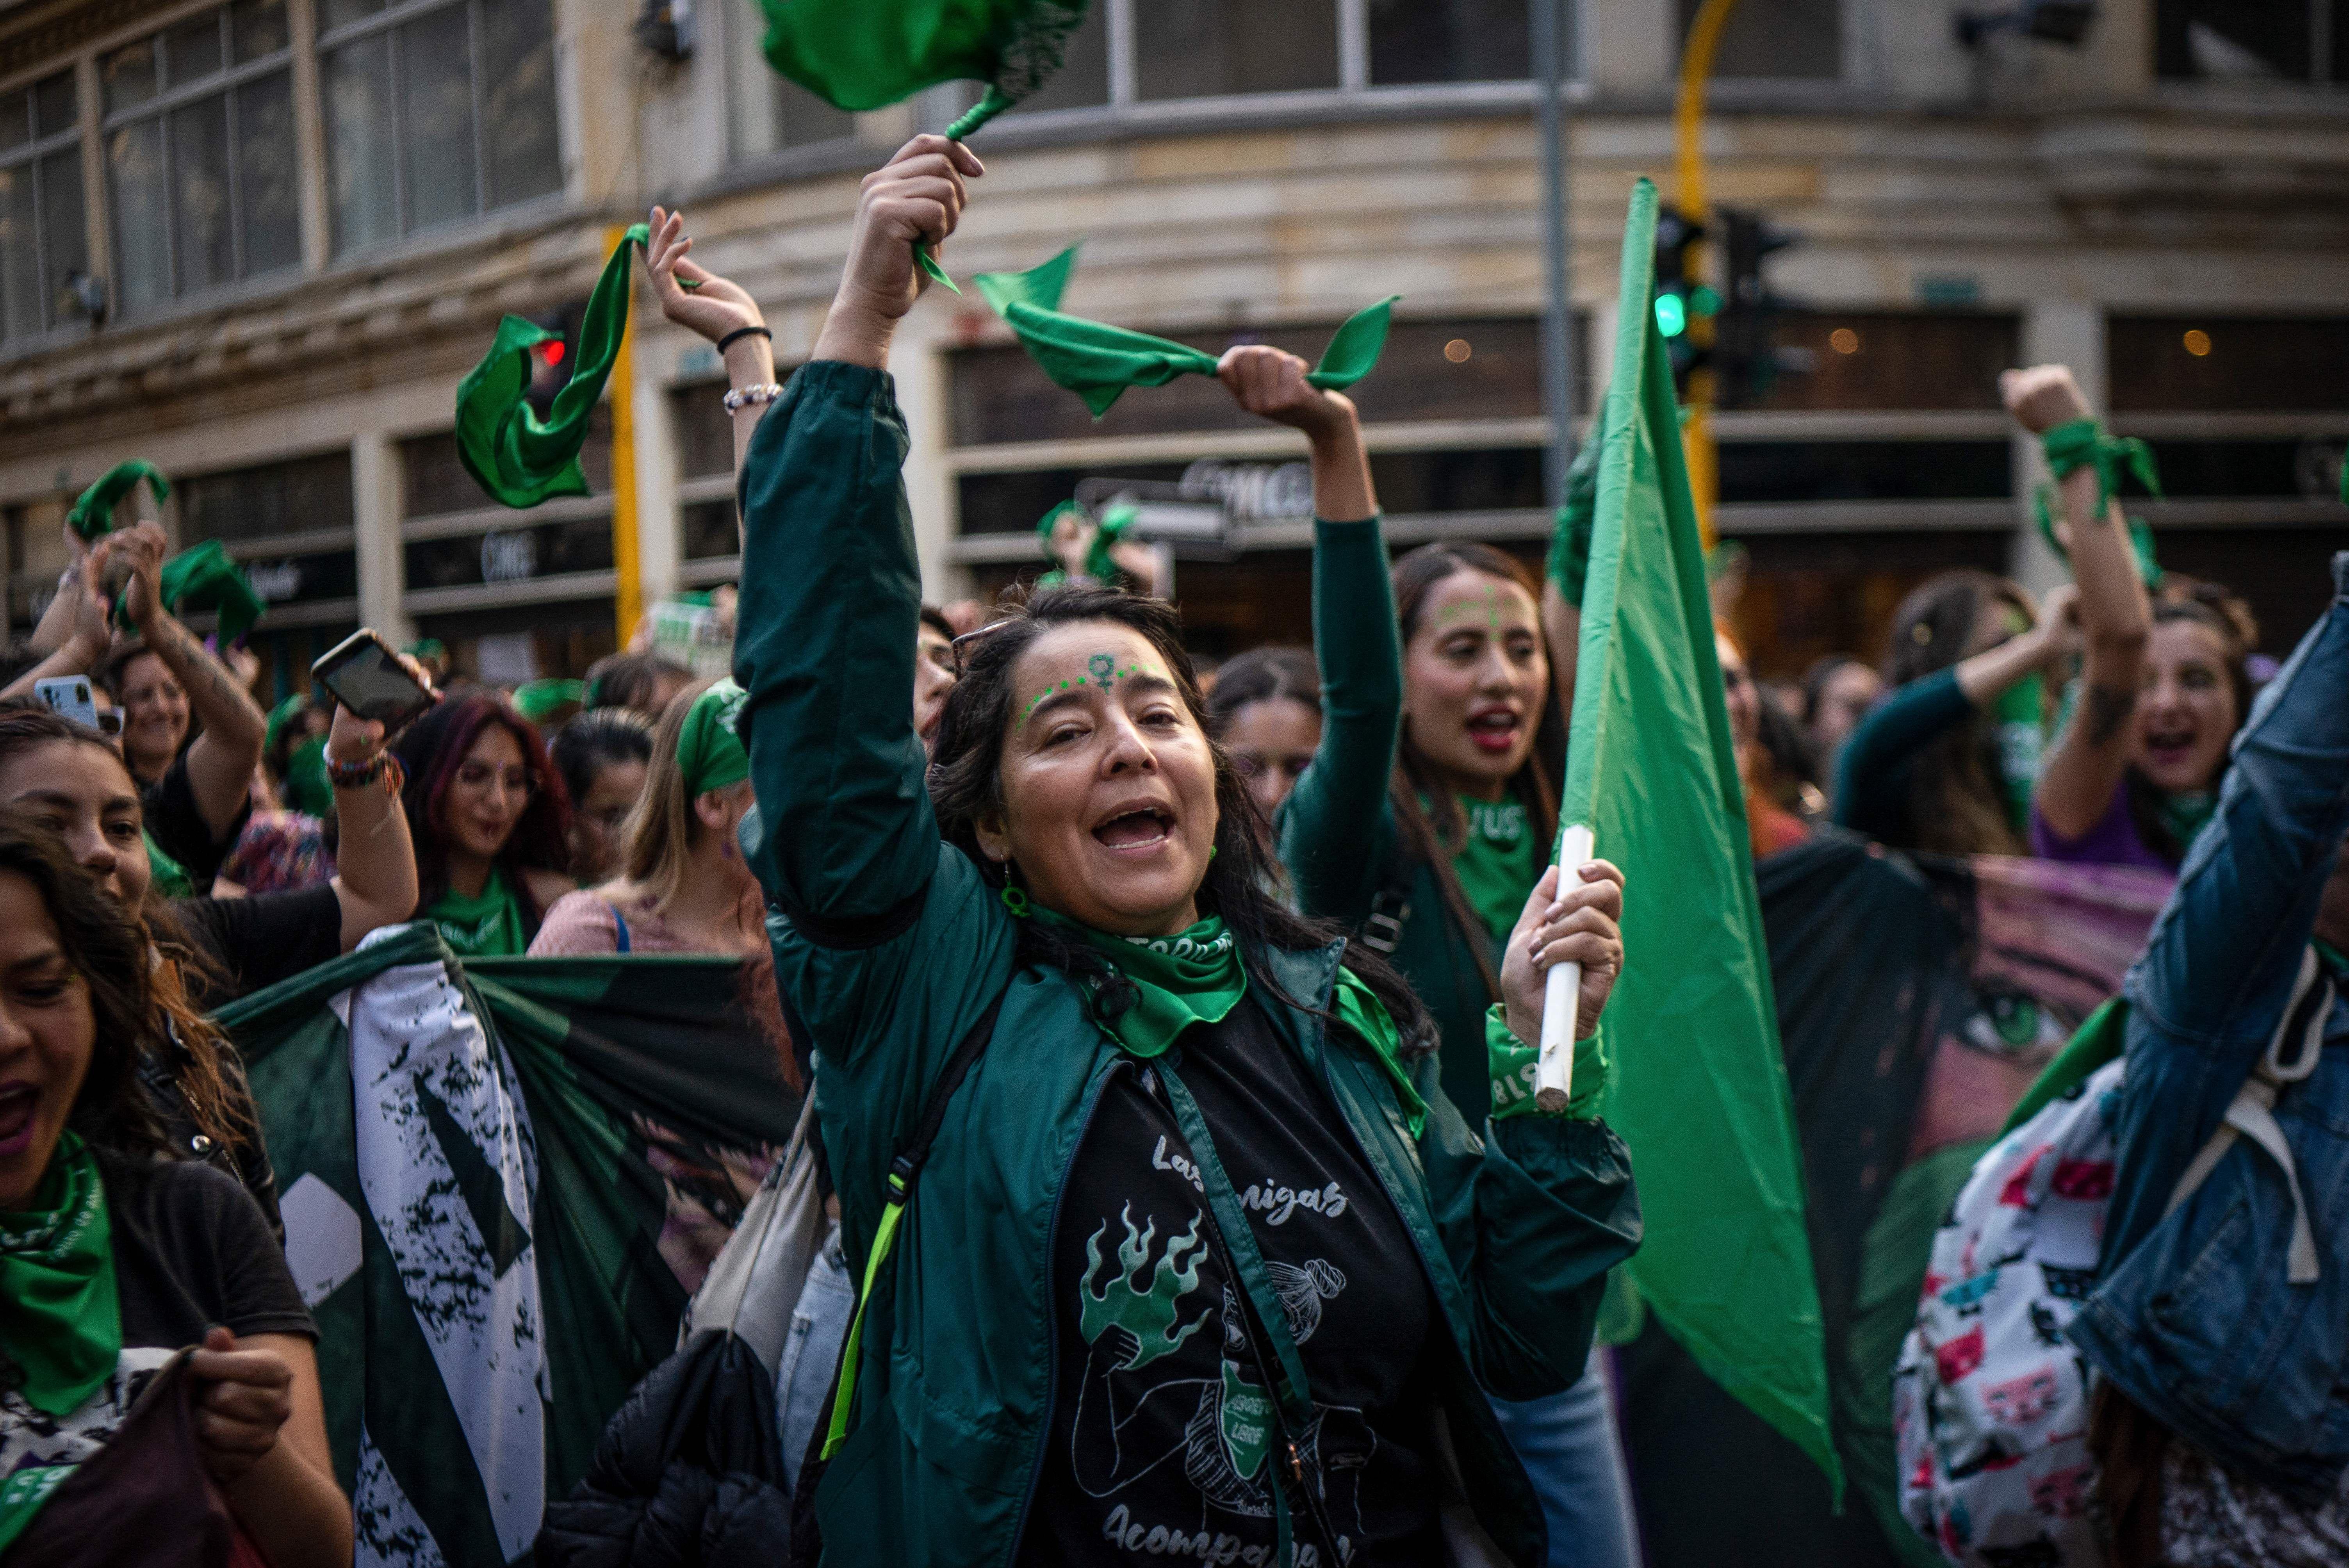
[259, 243]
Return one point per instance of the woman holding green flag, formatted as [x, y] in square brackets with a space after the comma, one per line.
[1424, 824]
[113, 1258]
[1055, 938]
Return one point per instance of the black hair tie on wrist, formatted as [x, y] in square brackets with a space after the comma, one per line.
[741, 332]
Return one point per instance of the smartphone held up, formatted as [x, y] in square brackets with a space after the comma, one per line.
[365, 674]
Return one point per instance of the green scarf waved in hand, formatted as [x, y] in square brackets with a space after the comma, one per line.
[60, 1319]
[874, 52]
[1098, 361]
[202, 579]
[1100, 565]
[2083, 443]
[518, 459]
[92, 516]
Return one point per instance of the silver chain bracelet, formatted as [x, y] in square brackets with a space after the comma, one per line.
[742, 398]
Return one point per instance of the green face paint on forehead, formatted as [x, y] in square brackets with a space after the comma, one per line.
[1486, 608]
[1103, 672]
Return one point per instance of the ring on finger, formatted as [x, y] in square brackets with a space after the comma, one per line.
[690, 285]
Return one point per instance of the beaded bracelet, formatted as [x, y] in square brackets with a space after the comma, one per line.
[743, 397]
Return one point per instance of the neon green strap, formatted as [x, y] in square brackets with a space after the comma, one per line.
[845, 1396]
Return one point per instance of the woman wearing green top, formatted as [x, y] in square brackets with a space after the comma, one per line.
[1423, 823]
[1203, 1262]
[491, 821]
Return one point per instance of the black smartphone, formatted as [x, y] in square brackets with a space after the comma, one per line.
[366, 677]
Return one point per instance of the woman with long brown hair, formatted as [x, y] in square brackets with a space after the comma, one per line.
[491, 821]
[1424, 824]
[208, 950]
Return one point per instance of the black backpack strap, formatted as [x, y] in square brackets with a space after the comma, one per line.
[905, 1170]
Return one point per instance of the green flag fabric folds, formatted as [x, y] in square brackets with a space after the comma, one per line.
[92, 515]
[502, 1178]
[875, 53]
[1098, 361]
[1699, 1091]
[518, 459]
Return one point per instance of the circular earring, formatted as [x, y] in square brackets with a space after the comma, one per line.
[1016, 901]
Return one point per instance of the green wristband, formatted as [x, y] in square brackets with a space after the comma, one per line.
[1513, 1064]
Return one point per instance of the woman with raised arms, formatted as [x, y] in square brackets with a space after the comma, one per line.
[1203, 1262]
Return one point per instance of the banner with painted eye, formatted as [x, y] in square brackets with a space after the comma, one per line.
[1919, 999]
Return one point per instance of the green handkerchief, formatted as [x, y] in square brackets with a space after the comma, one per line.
[1098, 362]
[518, 459]
[92, 516]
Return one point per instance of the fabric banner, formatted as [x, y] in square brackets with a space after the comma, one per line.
[500, 1180]
[1699, 1091]
[1918, 999]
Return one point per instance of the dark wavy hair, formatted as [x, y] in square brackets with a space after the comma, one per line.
[1956, 802]
[596, 739]
[1270, 674]
[966, 784]
[431, 750]
[1433, 834]
[208, 1074]
[109, 950]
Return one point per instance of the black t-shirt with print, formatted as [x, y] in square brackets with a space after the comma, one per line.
[189, 1250]
[1161, 1429]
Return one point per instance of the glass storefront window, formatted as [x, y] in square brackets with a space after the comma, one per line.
[1206, 48]
[1448, 40]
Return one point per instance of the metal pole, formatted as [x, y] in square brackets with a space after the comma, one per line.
[1549, 41]
[1688, 119]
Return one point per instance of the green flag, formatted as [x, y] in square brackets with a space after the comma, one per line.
[518, 459]
[500, 1180]
[1098, 361]
[1699, 1090]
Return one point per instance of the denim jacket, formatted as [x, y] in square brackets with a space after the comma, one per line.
[2193, 1317]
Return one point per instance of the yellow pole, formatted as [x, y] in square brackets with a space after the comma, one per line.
[628, 590]
[1697, 53]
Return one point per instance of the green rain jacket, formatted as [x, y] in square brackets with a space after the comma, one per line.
[1338, 837]
[890, 948]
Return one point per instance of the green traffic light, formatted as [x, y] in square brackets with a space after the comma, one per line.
[1705, 300]
[1671, 315]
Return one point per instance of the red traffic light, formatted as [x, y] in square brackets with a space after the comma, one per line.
[550, 352]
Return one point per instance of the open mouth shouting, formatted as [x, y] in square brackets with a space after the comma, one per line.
[2170, 746]
[19, 1102]
[1139, 829]
[1493, 728]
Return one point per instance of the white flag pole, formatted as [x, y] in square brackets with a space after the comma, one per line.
[1562, 998]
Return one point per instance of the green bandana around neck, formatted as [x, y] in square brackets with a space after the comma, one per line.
[707, 752]
[204, 578]
[92, 516]
[169, 878]
[487, 926]
[518, 459]
[1194, 976]
[2185, 813]
[1098, 361]
[2021, 712]
[60, 1318]
[1497, 862]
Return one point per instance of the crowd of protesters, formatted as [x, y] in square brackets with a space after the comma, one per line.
[1325, 873]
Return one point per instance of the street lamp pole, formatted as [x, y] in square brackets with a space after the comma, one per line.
[1550, 20]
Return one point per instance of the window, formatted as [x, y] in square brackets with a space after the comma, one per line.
[1203, 48]
[1893, 359]
[1788, 40]
[1449, 40]
[199, 161]
[437, 112]
[2225, 40]
[43, 244]
[766, 112]
[1082, 80]
[306, 495]
[2218, 363]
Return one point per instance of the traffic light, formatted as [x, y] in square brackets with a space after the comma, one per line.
[1685, 305]
[1746, 358]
